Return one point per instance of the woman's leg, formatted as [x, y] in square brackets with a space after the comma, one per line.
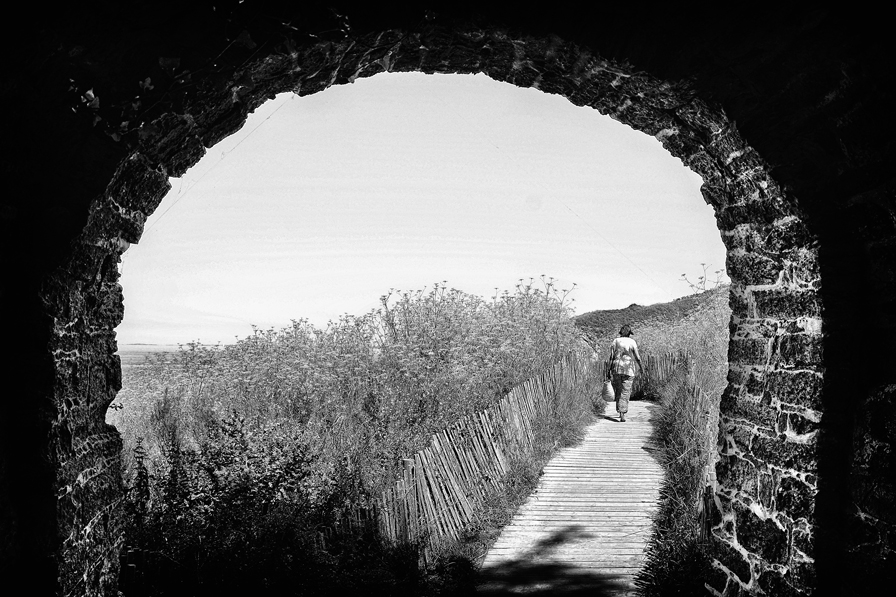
[617, 388]
[625, 391]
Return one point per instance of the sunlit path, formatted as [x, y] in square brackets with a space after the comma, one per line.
[586, 525]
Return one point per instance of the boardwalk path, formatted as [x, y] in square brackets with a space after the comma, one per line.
[585, 527]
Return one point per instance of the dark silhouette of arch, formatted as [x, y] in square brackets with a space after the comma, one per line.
[786, 115]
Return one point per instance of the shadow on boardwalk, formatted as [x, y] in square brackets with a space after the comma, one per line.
[534, 574]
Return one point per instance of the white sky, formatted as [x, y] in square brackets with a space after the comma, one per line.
[319, 205]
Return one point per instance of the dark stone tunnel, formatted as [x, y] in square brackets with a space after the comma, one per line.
[786, 114]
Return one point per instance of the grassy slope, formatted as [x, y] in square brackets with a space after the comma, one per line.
[683, 324]
[599, 325]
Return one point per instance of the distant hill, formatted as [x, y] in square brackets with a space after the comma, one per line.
[601, 327]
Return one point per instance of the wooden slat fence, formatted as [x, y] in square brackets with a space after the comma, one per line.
[442, 486]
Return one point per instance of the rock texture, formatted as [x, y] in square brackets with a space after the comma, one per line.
[786, 116]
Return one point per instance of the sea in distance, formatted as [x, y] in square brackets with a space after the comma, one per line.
[134, 354]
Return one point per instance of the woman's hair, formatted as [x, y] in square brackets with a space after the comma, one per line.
[626, 330]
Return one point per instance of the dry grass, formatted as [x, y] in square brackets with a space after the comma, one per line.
[687, 429]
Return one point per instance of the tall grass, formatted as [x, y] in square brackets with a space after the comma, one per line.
[686, 430]
[240, 457]
[676, 562]
[702, 334]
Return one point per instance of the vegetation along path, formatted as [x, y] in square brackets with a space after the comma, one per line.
[585, 527]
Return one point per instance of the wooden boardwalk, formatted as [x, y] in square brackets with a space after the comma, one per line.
[585, 527]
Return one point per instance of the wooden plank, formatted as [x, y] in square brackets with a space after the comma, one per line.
[430, 520]
[593, 506]
[441, 513]
[451, 468]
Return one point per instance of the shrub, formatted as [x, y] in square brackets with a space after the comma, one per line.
[243, 459]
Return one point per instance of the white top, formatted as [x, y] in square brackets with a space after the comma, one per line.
[622, 351]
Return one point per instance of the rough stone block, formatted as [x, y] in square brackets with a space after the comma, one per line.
[764, 213]
[707, 167]
[749, 186]
[524, 75]
[727, 145]
[803, 575]
[734, 589]
[105, 217]
[782, 303]
[112, 370]
[718, 197]
[777, 584]
[799, 424]
[734, 432]
[87, 261]
[761, 537]
[716, 578]
[108, 307]
[738, 406]
[801, 269]
[752, 269]
[787, 234]
[795, 499]
[659, 94]
[748, 350]
[768, 483]
[801, 350]
[736, 376]
[803, 541]
[737, 302]
[731, 558]
[782, 453]
[175, 146]
[756, 382]
[652, 121]
[751, 327]
[801, 388]
[680, 144]
[138, 186]
[220, 123]
[738, 474]
[749, 237]
[701, 117]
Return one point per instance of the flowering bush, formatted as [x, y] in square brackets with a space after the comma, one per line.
[260, 443]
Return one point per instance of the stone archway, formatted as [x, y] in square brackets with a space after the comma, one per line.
[766, 531]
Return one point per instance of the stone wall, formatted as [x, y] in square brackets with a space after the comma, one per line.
[775, 115]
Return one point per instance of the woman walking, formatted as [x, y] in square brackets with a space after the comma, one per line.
[623, 356]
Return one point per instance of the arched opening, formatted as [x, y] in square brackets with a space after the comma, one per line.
[429, 167]
[775, 350]
[639, 228]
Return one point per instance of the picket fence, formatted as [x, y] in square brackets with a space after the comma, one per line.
[442, 486]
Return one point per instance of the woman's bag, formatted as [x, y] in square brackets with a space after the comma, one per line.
[607, 393]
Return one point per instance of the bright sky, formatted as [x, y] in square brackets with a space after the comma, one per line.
[319, 205]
